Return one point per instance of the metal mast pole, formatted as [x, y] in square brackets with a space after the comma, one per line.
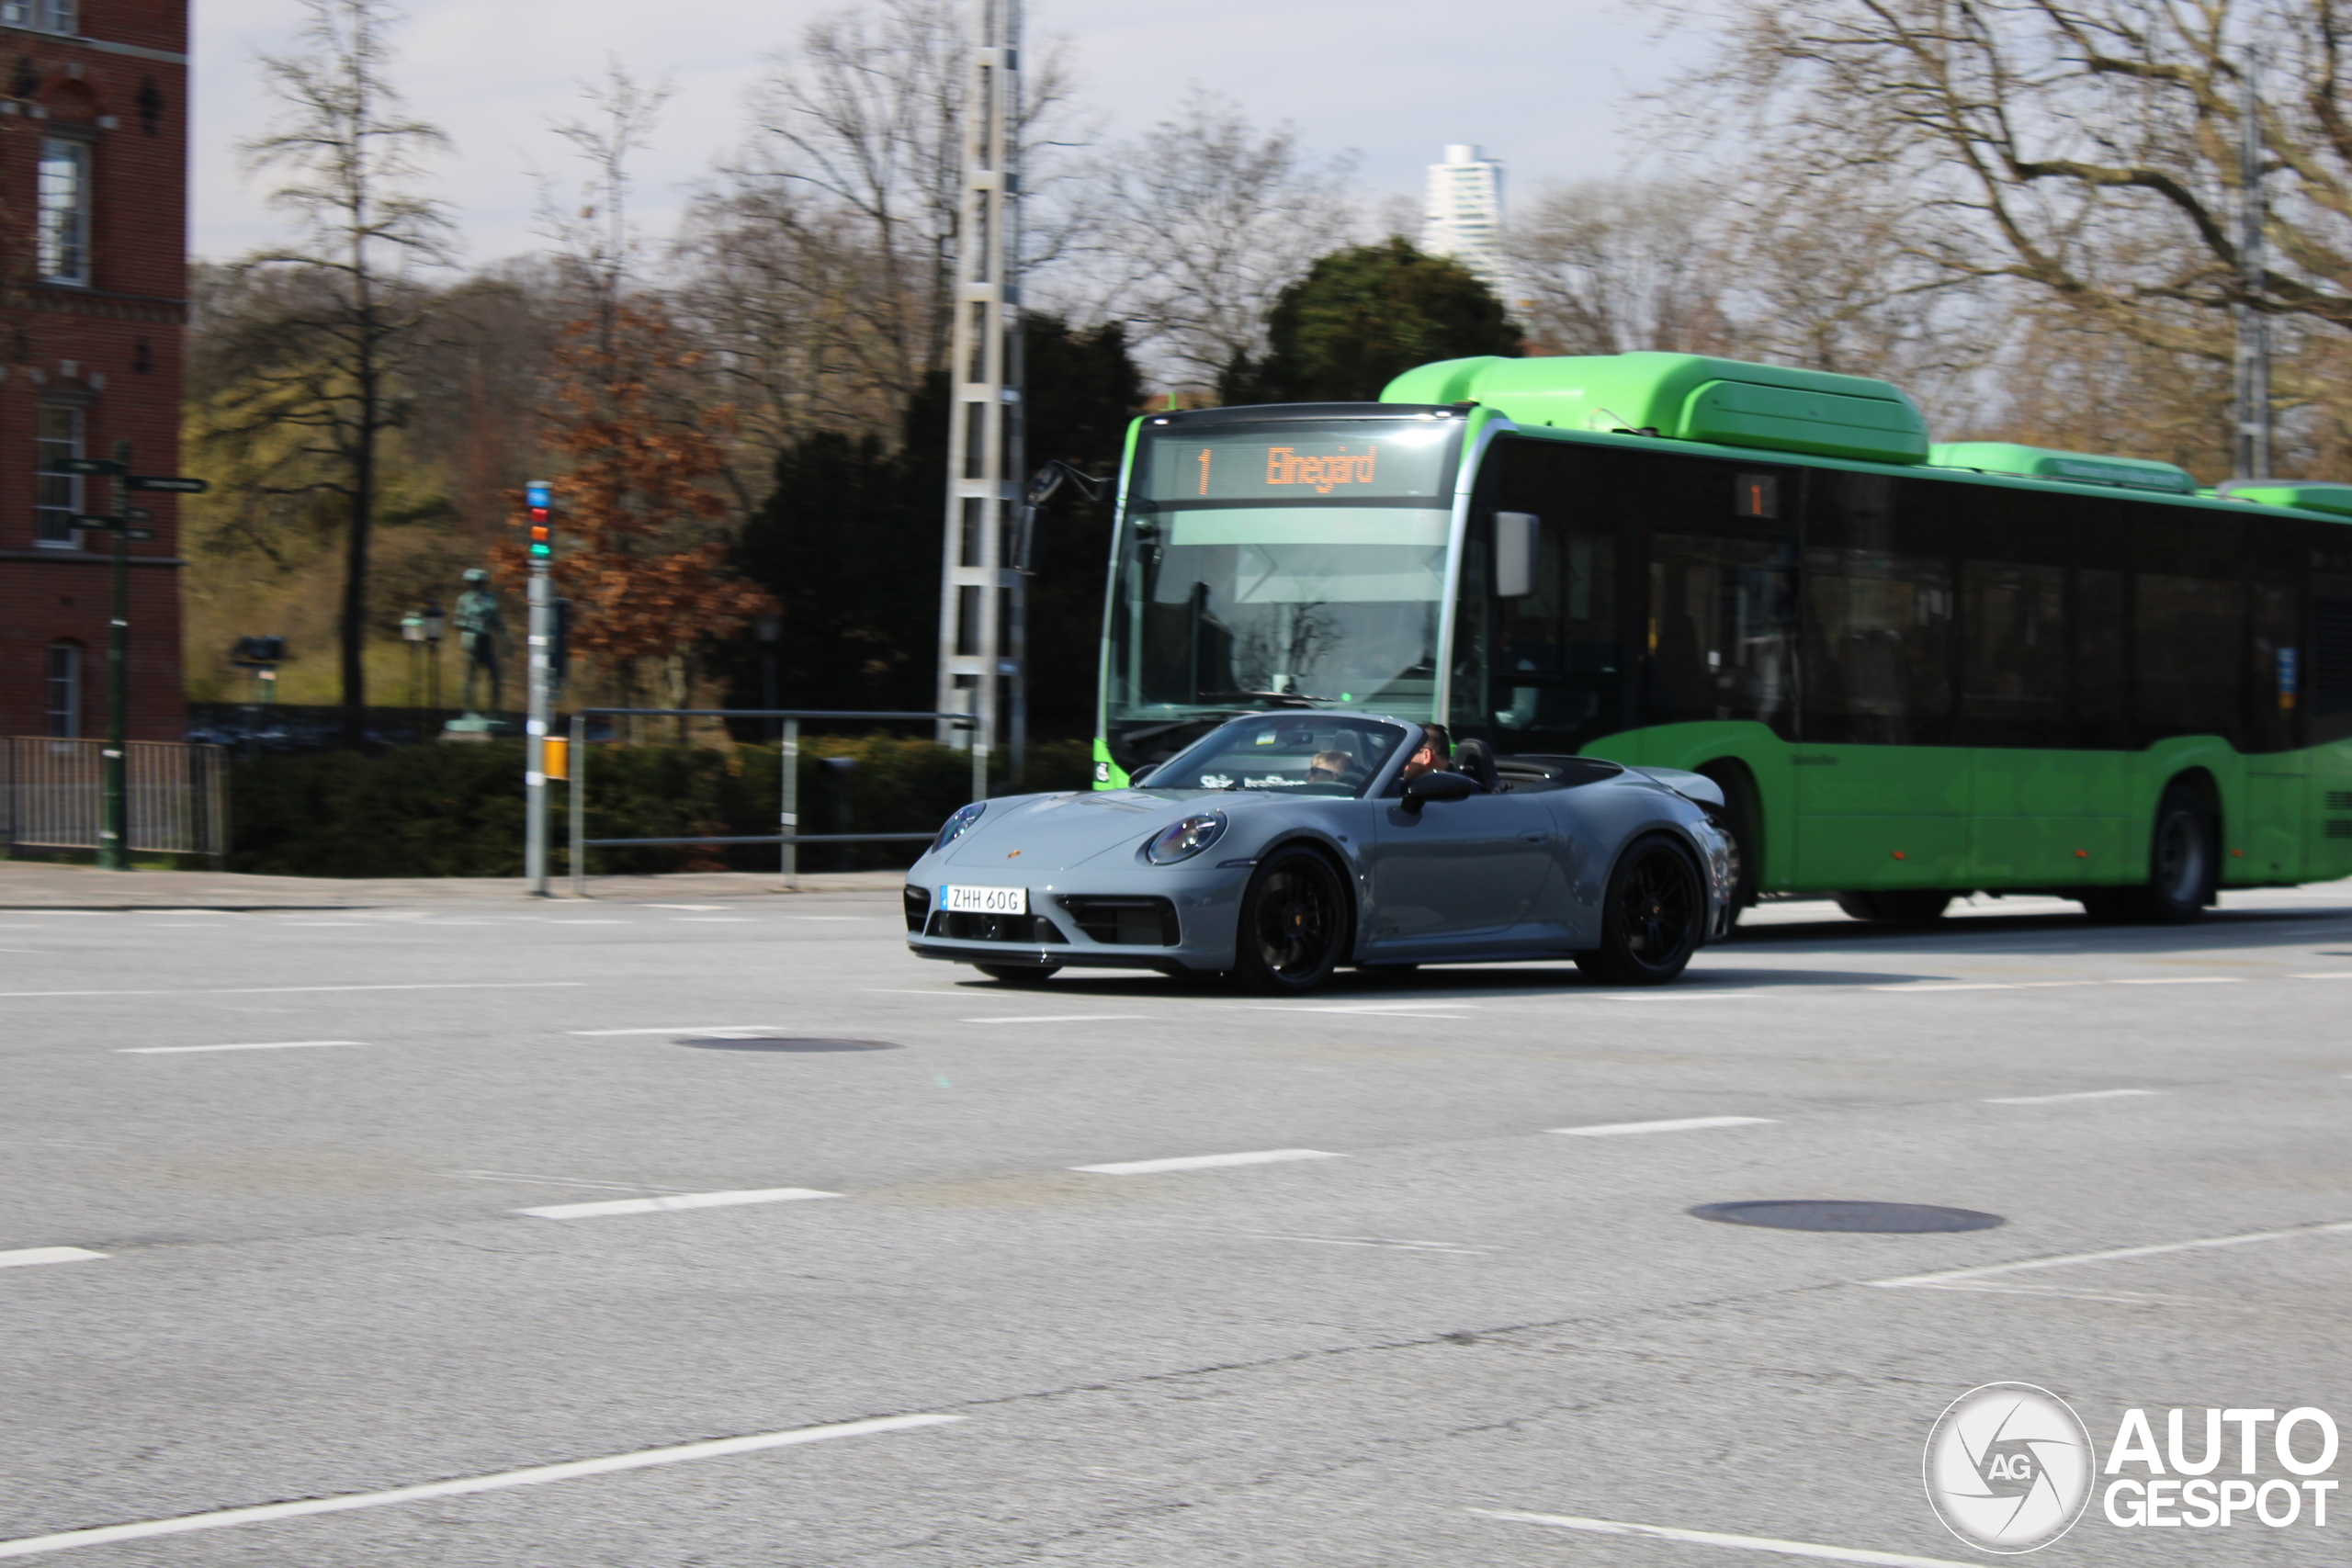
[978, 596]
[541, 639]
[2252, 442]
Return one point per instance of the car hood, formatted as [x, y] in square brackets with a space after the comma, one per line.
[1033, 833]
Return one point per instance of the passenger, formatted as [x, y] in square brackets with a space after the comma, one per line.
[1431, 757]
[1328, 766]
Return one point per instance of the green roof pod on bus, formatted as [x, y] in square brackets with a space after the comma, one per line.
[1688, 397]
[2079, 467]
[2333, 498]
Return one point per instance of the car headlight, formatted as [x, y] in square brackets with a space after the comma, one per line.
[952, 828]
[1182, 840]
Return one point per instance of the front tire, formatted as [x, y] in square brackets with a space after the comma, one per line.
[1652, 919]
[1021, 975]
[2184, 858]
[1294, 925]
[1901, 907]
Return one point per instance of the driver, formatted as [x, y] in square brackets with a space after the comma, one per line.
[1328, 766]
[1433, 756]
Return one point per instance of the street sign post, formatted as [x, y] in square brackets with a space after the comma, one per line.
[114, 831]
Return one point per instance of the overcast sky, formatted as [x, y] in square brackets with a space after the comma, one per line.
[1542, 84]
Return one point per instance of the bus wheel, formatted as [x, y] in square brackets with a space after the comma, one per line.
[1023, 976]
[1652, 918]
[2181, 864]
[1905, 907]
[1293, 927]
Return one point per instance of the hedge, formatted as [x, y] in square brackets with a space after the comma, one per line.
[457, 810]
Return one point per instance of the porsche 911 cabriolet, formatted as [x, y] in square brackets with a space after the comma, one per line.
[1279, 847]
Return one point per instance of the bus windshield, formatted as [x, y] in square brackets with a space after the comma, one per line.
[1290, 564]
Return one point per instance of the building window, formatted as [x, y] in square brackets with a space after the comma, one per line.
[43, 16]
[61, 242]
[64, 690]
[57, 497]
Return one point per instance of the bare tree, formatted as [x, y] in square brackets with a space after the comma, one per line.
[1605, 267]
[349, 156]
[821, 266]
[597, 249]
[1207, 220]
[2086, 147]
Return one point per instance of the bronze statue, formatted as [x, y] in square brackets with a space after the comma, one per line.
[482, 637]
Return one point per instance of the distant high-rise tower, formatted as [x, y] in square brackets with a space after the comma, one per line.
[1463, 218]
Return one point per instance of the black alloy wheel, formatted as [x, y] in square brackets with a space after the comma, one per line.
[1021, 975]
[2183, 859]
[1901, 905]
[1294, 926]
[1653, 916]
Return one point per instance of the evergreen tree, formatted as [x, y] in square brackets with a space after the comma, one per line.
[849, 543]
[1083, 388]
[1362, 316]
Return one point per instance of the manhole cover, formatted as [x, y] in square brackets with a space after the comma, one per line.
[1821, 1214]
[780, 1042]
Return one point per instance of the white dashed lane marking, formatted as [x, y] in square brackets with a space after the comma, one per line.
[1957, 1279]
[259, 1045]
[1204, 1162]
[674, 1200]
[719, 1448]
[1679, 1124]
[1712, 1538]
[674, 1029]
[2083, 1094]
[25, 1256]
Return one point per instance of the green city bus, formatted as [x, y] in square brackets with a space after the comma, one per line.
[1916, 670]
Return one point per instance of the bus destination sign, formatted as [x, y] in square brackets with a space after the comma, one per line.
[1364, 461]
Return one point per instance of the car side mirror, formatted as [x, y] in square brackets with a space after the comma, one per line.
[1440, 785]
[1135, 779]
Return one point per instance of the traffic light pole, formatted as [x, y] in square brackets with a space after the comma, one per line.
[534, 740]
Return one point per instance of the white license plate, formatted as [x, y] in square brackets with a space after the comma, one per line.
[984, 900]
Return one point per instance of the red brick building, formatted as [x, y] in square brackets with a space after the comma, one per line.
[93, 275]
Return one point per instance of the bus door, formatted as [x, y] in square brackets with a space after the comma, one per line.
[1718, 646]
[1882, 795]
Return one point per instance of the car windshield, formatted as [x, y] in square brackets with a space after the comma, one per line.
[1322, 755]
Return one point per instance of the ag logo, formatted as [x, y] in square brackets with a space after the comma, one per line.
[2009, 1467]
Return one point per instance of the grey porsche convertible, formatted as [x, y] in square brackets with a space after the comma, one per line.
[1279, 847]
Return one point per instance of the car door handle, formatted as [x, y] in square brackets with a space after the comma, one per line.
[1536, 837]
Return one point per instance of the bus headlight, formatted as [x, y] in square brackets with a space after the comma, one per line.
[1182, 840]
[952, 828]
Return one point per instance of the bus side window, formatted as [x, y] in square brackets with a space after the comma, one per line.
[2102, 682]
[2013, 689]
[2188, 633]
[1880, 666]
[2327, 682]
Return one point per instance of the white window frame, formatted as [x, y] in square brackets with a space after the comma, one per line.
[61, 216]
[43, 16]
[61, 690]
[57, 496]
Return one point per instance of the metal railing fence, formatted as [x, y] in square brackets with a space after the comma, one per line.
[788, 814]
[52, 795]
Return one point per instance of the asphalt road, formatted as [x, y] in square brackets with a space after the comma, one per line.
[372, 1200]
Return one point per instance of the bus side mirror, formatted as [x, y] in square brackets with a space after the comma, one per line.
[1515, 553]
